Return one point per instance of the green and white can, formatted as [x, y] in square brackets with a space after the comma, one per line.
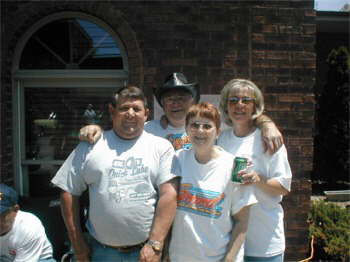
[240, 164]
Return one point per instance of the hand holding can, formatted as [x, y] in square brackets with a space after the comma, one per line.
[240, 163]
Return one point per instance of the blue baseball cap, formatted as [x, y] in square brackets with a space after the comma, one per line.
[8, 198]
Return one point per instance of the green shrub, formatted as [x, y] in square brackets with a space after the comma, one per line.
[330, 225]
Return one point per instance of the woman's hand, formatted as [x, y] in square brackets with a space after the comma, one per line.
[250, 177]
[269, 185]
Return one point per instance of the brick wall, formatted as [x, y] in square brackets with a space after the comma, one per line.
[271, 42]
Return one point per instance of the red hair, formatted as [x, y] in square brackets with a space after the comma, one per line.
[205, 110]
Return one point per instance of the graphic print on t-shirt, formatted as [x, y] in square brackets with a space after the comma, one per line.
[179, 141]
[199, 201]
[127, 182]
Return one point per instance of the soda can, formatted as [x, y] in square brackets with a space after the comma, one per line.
[240, 164]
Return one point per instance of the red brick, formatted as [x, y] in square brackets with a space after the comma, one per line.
[210, 43]
[291, 98]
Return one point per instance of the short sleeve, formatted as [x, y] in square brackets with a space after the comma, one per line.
[165, 172]
[241, 196]
[176, 166]
[70, 176]
[279, 168]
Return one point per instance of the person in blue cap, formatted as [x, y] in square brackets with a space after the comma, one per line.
[22, 235]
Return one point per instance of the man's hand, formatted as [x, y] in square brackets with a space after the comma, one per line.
[90, 133]
[147, 254]
[81, 251]
[164, 122]
[272, 137]
[227, 259]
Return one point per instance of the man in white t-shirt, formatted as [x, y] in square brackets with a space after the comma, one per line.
[176, 96]
[132, 192]
[22, 235]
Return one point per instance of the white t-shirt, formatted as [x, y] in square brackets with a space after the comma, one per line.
[26, 242]
[265, 236]
[206, 203]
[123, 177]
[177, 136]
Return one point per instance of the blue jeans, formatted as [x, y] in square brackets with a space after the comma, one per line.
[277, 258]
[100, 252]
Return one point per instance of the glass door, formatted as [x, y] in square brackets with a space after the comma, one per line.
[53, 118]
[49, 115]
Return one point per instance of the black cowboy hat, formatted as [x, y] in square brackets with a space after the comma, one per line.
[177, 81]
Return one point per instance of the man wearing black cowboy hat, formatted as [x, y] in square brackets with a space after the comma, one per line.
[176, 96]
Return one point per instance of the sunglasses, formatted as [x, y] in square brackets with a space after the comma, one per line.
[245, 100]
[197, 125]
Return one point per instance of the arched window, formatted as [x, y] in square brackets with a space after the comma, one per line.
[71, 44]
[68, 68]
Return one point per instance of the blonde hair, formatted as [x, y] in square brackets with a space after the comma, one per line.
[237, 84]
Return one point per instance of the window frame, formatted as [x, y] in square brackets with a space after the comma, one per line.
[66, 78]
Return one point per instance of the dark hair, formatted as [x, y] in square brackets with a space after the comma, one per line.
[129, 91]
[206, 110]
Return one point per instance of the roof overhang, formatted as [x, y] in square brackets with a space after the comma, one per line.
[332, 22]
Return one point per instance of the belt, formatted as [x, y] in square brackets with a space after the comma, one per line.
[126, 249]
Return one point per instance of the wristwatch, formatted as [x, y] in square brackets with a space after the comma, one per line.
[156, 245]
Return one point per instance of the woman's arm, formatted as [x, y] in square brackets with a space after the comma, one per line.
[238, 234]
[268, 185]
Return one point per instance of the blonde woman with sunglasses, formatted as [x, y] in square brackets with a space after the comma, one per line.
[241, 103]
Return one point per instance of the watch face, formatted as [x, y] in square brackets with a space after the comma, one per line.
[156, 245]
